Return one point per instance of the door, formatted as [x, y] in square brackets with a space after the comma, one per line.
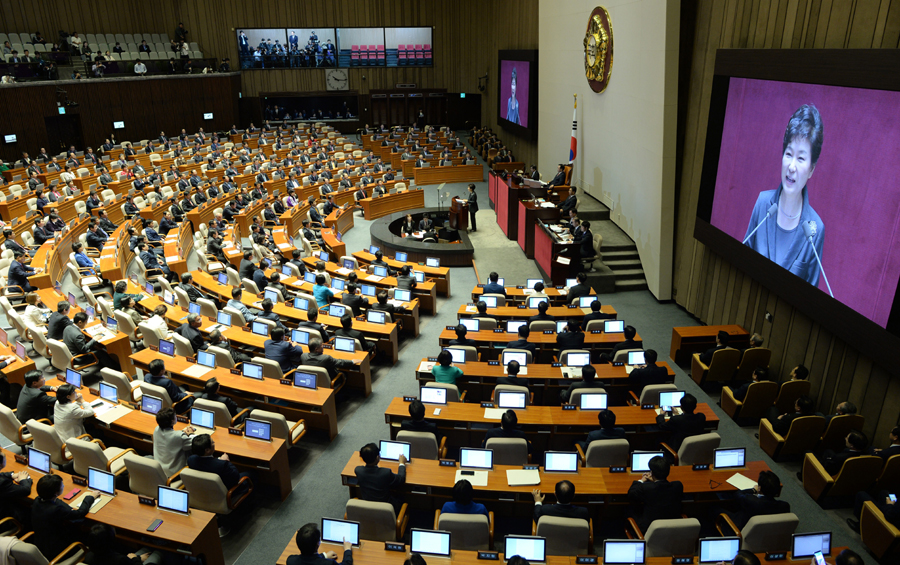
[63, 131]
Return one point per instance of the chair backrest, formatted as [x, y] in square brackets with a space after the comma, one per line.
[723, 365]
[150, 335]
[105, 306]
[377, 520]
[60, 356]
[452, 390]
[512, 388]
[803, 435]
[789, 393]
[86, 454]
[271, 369]
[540, 325]
[39, 341]
[501, 300]
[422, 445]
[622, 355]
[27, 554]
[182, 345]
[607, 453]
[183, 299]
[836, 432]
[220, 411]
[752, 358]
[672, 537]
[157, 391]
[280, 427]
[856, 474]
[760, 396]
[468, 532]
[565, 536]
[47, 440]
[9, 426]
[486, 323]
[119, 380]
[650, 393]
[250, 286]
[508, 451]
[321, 373]
[349, 258]
[564, 355]
[126, 324]
[575, 397]
[769, 532]
[234, 279]
[207, 491]
[699, 449]
[527, 353]
[471, 353]
[207, 306]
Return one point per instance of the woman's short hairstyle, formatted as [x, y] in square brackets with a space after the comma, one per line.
[444, 358]
[514, 76]
[806, 123]
[63, 392]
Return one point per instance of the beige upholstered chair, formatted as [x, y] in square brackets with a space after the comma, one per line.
[468, 532]
[471, 352]
[565, 536]
[222, 417]
[12, 429]
[93, 453]
[666, 538]
[145, 475]
[695, 450]
[766, 533]
[650, 394]
[282, 428]
[208, 492]
[453, 394]
[605, 453]
[423, 445]
[508, 451]
[47, 440]
[377, 520]
[162, 394]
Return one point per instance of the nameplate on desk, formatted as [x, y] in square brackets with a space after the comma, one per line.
[556, 364]
[182, 419]
[493, 363]
[148, 500]
[80, 481]
[560, 287]
[571, 306]
[648, 406]
[94, 391]
[447, 463]
[682, 559]
[776, 556]
[285, 381]
[586, 560]
[21, 459]
[522, 306]
[487, 404]
[530, 467]
[569, 407]
[408, 398]
[617, 469]
[235, 371]
[183, 309]
[489, 555]
[245, 328]
[432, 359]
[191, 359]
[327, 346]
[618, 364]
[392, 546]
[596, 331]
[450, 327]
[154, 348]
[479, 286]
[701, 467]
[235, 431]
[550, 332]
[520, 287]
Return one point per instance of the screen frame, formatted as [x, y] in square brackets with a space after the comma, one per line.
[530, 560]
[449, 541]
[529, 56]
[608, 541]
[794, 542]
[170, 509]
[718, 449]
[711, 540]
[322, 530]
[557, 471]
[422, 390]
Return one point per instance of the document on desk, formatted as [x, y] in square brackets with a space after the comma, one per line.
[196, 371]
[284, 246]
[471, 309]
[374, 278]
[571, 372]
[344, 272]
[548, 205]
[478, 479]
[563, 260]
[521, 477]
[628, 369]
[172, 258]
[741, 482]
[494, 413]
[99, 503]
[113, 414]
[426, 366]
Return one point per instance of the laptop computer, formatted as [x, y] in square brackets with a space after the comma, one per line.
[513, 400]
[173, 500]
[204, 420]
[532, 548]
[713, 550]
[730, 457]
[151, 404]
[470, 324]
[39, 460]
[640, 460]
[430, 542]
[258, 429]
[305, 380]
[592, 401]
[433, 395]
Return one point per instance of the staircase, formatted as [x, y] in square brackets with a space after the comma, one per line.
[625, 263]
[620, 254]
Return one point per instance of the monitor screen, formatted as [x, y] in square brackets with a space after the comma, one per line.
[533, 549]
[432, 262]
[578, 359]
[433, 395]
[207, 115]
[561, 326]
[520, 356]
[713, 550]
[430, 542]
[118, 125]
[260, 328]
[458, 355]
[91, 313]
[625, 552]
[529, 283]
[286, 271]
[252, 371]
[670, 399]
[380, 271]
[150, 290]
[151, 404]
[730, 457]
[592, 401]
[305, 380]
[168, 298]
[400, 256]
[476, 458]
[512, 326]
[300, 336]
[206, 359]
[338, 284]
[258, 429]
[301, 303]
[193, 308]
[203, 418]
[391, 450]
[71, 298]
[636, 358]
[375, 317]
[560, 461]
[272, 295]
[805, 545]
[73, 378]
[489, 301]
[614, 326]
[533, 301]
[173, 500]
[223, 318]
[323, 255]
[586, 301]
[373, 249]
[109, 392]
[420, 276]
[309, 277]
[402, 295]
[20, 351]
[10, 138]
[511, 399]
[337, 531]
[367, 290]
[640, 460]
[38, 460]
[111, 323]
[167, 347]
[470, 324]
[346, 344]
[336, 310]
[222, 278]
[102, 481]
[348, 264]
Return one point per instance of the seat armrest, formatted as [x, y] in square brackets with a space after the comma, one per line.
[91, 354]
[402, 521]
[26, 536]
[667, 448]
[98, 442]
[728, 402]
[239, 415]
[437, 516]
[462, 397]
[590, 535]
[23, 429]
[17, 526]
[176, 476]
[726, 526]
[581, 455]
[119, 456]
[634, 400]
[66, 554]
[816, 480]
[632, 530]
[879, 535]
[769, 441]
[442, 449]
[533, 528]
[183, 399]
[232, 504]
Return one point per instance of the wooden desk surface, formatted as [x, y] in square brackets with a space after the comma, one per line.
[374, 208]
[340, 220]
[518, 294]
[692, 339]
[606, 372]
[514, 312]
[457, 173]
[543, 341]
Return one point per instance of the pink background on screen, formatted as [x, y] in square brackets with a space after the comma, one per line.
[522, 68]
[855, 188]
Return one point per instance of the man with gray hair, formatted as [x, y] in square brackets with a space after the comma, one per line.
[756, 340]
[317, 358]
[190, 330]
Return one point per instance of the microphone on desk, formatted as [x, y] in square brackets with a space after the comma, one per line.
[770, 212]
[809, 230]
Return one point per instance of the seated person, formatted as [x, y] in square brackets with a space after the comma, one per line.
[522, 342]
[418, 423]
[54, 521]
[269, 314]
[581, 288]
[843, 409]
[190, 330]
[653, 497]
[608, 430]
[70, 412]
[14, 491]
[893, 448]
[156, 375]
[348, 331]
[571, 337]
[512, 376]
[405, 280]
[211, 393]
[761, 500]
[376, 483]
[379, 260]
[203, 458]
[382, 305]
[311, 316]
[856, 444]
[216, 339]
[565, 493]
[481, 306]
[34, 402]
[462, 500]
[236, 303]
[539, 290]
[721, 343]
[322, 293]
[493, 286]
[888, 507]
[781, 423]
[317, 358]
[104, 550]
[307, 541]
[542, 314]
[588, 381]
[286, 353]
[275, 283]
[353, 300]
[682, 425]
[508, 423]
[629, 334]
[648, 374]
[461, 338]
[171, 447]
[760, 374]
[596, 314]
[444, 371]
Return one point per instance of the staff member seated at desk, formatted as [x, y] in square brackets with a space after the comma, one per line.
[608, 430]
[653, 497]
[512, 376]
[507, 429]
[34, 402]
[322, 293]
[170, 447]
[19, 272]
[376, 483]
[286, 353]
[648, 374]
[684, 425]
[588, 381]
[522, 342]
[13, 245]
[69, 412]
[211, 393]
[629, 334]
[542, 314]
[307, 541]
[596, 314]
[571, 337]
[461, 338]
[74, 338]
[54, 520]
[235, 302]
[481, 307]
[565, 493]
[444, 371]
[202, 458]
[316, 358]
[348, 331]
[156, 375]
[462, 500]
[493, 286]
[580, 289]
[418, 423]
[760, 500]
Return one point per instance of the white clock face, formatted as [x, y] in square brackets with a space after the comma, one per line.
[336, 79]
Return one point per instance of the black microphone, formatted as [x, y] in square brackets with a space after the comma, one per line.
[770, 212]
[809, 229]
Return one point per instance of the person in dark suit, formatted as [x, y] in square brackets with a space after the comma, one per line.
[347, 327]
[535, 175]
[579, 290]
[425, 223]
[418, 423]
[286, 353]
[461, 338]
[565, 493]
[408, 226]
[647, 374]
[74, 338]
[493, 286]
[508, 423]
[721, 343]
[595, 313]
[891, 450]
[96, 237]
[473, 205]
[588, 380]
[317, 358]
[761, 500]
[559, 179]
[190, 330]
[653, 497]
[683, 425]
[608, 430]
[856, 444]
[512, 376]
[307, 540]
[19, 272]
[59, 320]
[203, 458]
[211, 393]
[781, 423]
[14, 489]
[629, 334]
[571, 337]
[760, 374]
[156, 375]
[52, 519]
[34, 402]
[569, 203]
[376, 483]
[889, 508]
[542, 314]
[845, 408]
[247, 267]
[522, 342]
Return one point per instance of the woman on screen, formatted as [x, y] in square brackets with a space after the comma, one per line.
[512, 105]
[783, 219]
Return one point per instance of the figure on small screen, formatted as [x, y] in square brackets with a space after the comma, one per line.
[783, 226]
[512, 105]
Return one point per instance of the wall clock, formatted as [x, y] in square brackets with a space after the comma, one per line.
[336, 79]
[598, 49]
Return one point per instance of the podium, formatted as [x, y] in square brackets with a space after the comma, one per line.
[459, 214]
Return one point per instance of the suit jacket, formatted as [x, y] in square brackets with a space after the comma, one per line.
[564, 395]
[35, 403]
[523, 344]
[175, 393]
[286, 354]
[578, 291]
[681, 426]
[18, 275]
[561, 511]
[781, 425]
[376, 483]
[52, 521]
[326, 361]
[192, 335]
[473, 201]
[570, 340]
[889, 452]
[56, 324]
[706, 356]
[603, 434]
[319, 559]
[833, 463]
[650, 375]
[750, 504]
[661, 500]
[246, 269]
[420, 426]
[596, 316]
[559, 179]
[499, 432]
[75, 340]
[739, 393]
[225, 469]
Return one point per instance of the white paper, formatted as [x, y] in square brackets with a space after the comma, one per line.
[741, 482]
[564, 291]
[374, 278]
[426, 366]
[494, 413]
[114, 414]
[196, 371]
[471, 309]
[173, 258]
[522, 477]
[284, 246]
[344, 272]
[479, 479]
[563, 260]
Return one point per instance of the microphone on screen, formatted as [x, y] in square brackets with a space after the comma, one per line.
[809, 230]
[770, 212]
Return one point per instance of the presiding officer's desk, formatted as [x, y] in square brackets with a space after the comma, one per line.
[374, 208]
[504, 313]
[195, 534]
[548, 427]
[440, 275]
[491, 342]
[557, 295]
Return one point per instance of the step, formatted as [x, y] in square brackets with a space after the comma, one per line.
[625, 286]
[629, 274]
[593, 215]
[622, 264]
[623, 255]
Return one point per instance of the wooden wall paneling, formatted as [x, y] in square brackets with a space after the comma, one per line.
[888, 418]
[830, 397]
[875, 401]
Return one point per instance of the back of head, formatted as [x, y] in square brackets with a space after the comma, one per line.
[512, 368]
[200, 444]
[857, 440]
[650, 356]
[347, 322]
[509, 420]
[745, 557]
[308, 539]
[565, 492]
[417, 410]
[848, 557]
[847, 408]
[494, 277]
[369, 453]
[63, 392]
[722, 337]
[607, 419]
[461, 330]
[762, 374]
[462, 492]
[277, 334]
[517, 560]
[659, 467]
[588, 373]
[769, 484]
[165, 418]
[524, 331]
[63, 306]
[801, 373]
[629, 332]
[806, 405]
[121, 286]
[101, 538]
[415, 559]
[48, 486]
[157, 367]
[444, 358]
[688, 403]
[542, 307]
[756, 340]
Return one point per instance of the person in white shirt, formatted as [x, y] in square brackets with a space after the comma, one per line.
[66, 175]
[140, 68]
[69, 413]
[170, 447]
[158, 320]
[33, 315]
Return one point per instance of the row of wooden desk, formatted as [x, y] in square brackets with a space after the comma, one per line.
[488, 340]
[556, 295]
[374, 208]
[440, 275]
[438, 175]
[504, 313]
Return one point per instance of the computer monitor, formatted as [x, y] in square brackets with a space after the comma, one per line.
[193, 308]
[520, 356]
[305, 380]
[420, 276]
[640, 460]
[71, 298]
[512, 326]
[73, 378]
[287, 271]
[430, 542]
[337, 531]
[532, 548]
[624, 552]
[458, 355]
[38, 460]
[473, 458]
[380, 271]
[730, 457]
[259, 328]
[203, 418]
[102, 481]
[578, 359]
[206, 359]
[338, 285]
[511, 399]
[151, 404]
[560, 461]
[111, 324]
[4, 339]
[400, 256]
[167, 347]
[592, 401]
[367, 290]
[301, 303]
[636, 358]
[348, 264]
[150, 290]
[323, 255]
[168, 297]
[489, 301]
[300, 336]
[252, 371]
[173, 500]
[571, 282]
[529, 283]
[20, 351]
[258, 429]
[336, 310]
[224, 319]
[91, 313]
[309, 277]
[561, 326]
[470, 324]
[391, 450]
[501, 281]
[272, 295]
[586, 301]
[433, 395]
[375, 317]
[713, 550]
[373, 249]
[614, 326]
[402, 295]
[533, 301]
[670, 399]
[805, 545]
[432, 262]
[222, 278]
[346, 344]
[109, 392]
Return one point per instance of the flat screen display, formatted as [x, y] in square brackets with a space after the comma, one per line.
[622, 552]
[73, 378]
[512, 400]
[400, 256]
[640, 460]
[520, 356]
[173, 500]
[804, 545]
[636, 358]
[257, 429]
[203, 418]
[517, 95]
[102, 481]
[391, 450]
[151, 404]
[592, 401]
[305, 380]
[207, 115]
[476, 458]
[458, 355]
[430, 542]
[561, 462]
[252, 371]
[714, 550]
[731, 457]
[512, 326]
[668, 400]
[38, 460]
[336, 531]
[433, 395]
[108, 392]
[206, 359]
[470, 324]
[531, 548]
[118, 125]
[9, 138]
